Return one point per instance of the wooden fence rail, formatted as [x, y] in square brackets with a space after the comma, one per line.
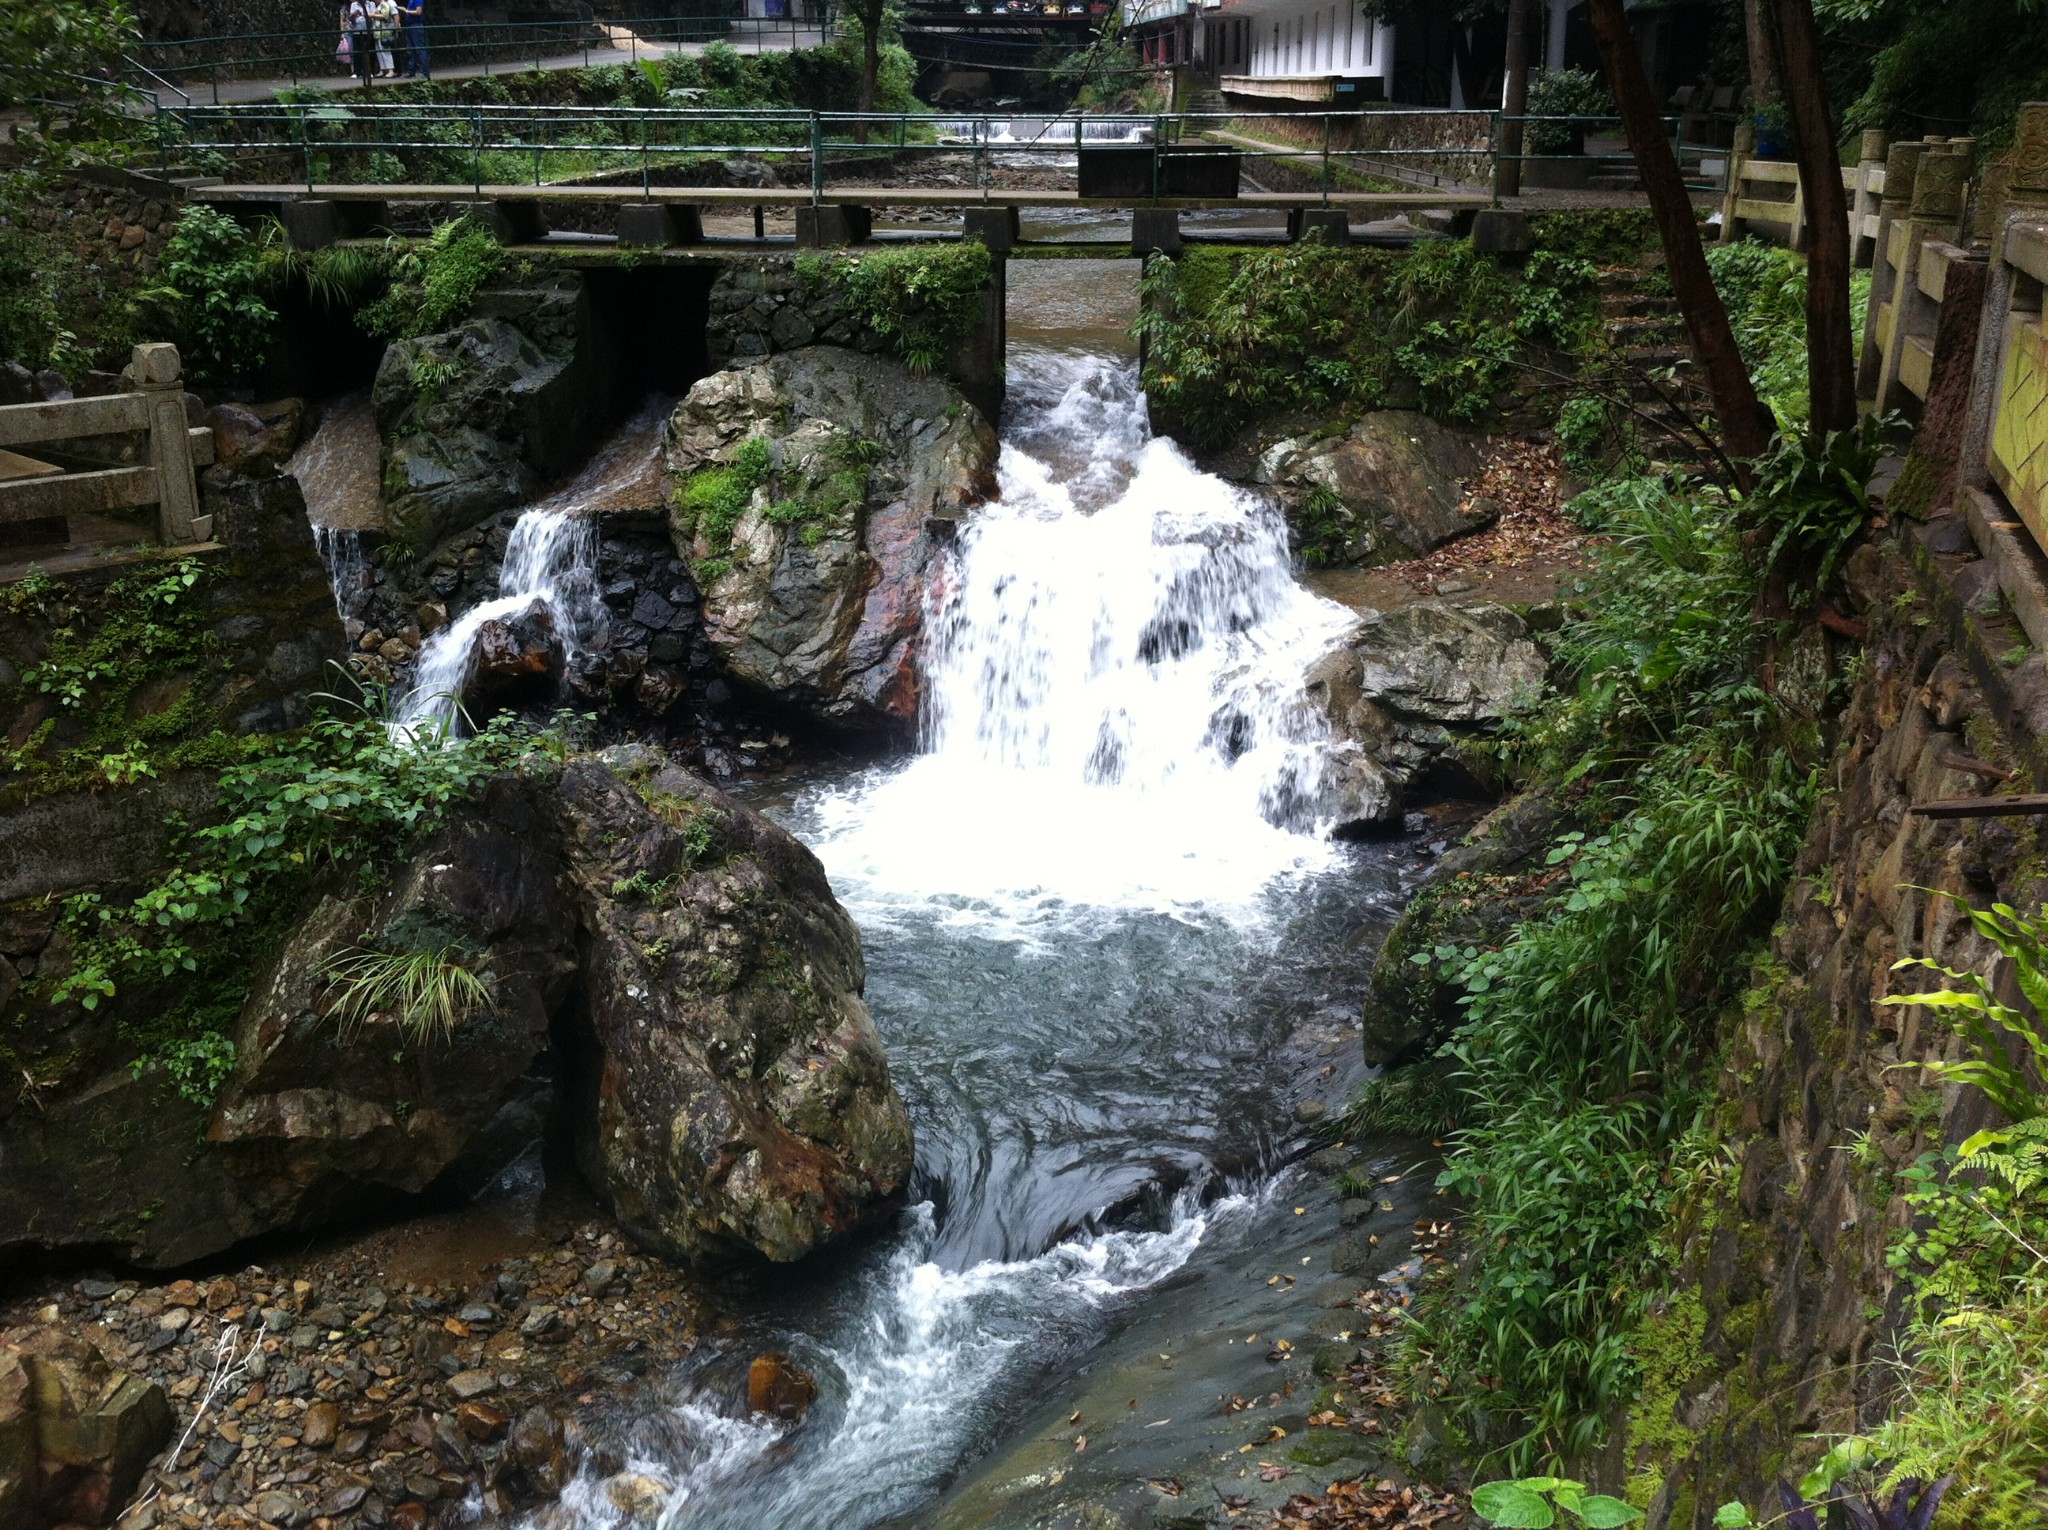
[69, 511]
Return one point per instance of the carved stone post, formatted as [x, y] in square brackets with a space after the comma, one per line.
[1863, 206]
[158, 375]
[1900, 164]
[1745, 146]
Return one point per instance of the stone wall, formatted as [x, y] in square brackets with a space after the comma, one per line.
[1786, 1314]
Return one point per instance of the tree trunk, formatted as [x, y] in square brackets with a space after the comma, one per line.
[1830, 370]
[1763, 66]
[870, 63]
[1745, 423]
[1507, 164]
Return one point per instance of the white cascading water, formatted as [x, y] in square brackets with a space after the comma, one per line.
[1116, 665]
[548, 563]
[1115, 731]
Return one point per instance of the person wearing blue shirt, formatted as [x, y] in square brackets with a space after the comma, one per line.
[412, 15]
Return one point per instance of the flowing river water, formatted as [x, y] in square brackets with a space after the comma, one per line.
[1107, 950]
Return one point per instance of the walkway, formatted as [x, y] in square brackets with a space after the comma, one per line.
[621, 46]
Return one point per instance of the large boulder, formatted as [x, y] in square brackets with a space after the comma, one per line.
[478, 418]
[1406, 688]
[616, 938]
[814, 591]
[739, 1098]
[75, 1434]
[336, 1106]
[1391, 487]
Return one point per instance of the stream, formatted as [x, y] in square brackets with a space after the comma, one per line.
[1108, 952]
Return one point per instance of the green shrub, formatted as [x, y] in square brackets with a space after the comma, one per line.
[1564, 93]
[1579, 1056]
[921, 301]
[432, 286]
[212, 279]
[1764, 291]
[1231, 336]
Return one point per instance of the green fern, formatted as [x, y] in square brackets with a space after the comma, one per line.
[1978, 1016]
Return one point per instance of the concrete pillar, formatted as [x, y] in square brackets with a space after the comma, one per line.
[1496, 231]
[1863, 206]
[1901, 163]
[657, 225]
[1333, 224]
[513, 220]
[1940, 178]
[1155, 228]
[311, 224]
[996, 227]
[829, 225]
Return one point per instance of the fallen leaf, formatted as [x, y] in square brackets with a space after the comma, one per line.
[1080, 1443]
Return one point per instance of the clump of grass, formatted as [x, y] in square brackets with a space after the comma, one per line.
[430, 991]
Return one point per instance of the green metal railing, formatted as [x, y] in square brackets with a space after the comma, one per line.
[364, 141]
[299, 57]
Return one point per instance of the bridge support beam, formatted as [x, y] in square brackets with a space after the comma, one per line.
[1332, 222]
[996, 227]
[658, 225]
[828, 225]
[513, 220]
[314, 223]
[1155, 228]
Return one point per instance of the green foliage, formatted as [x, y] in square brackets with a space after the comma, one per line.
[429, 990]
[102, 658]
[432, 286]
[54, 51]
[1531, 1503]
[211, 281]
[1415, 1101]
[1582, 1043]
[923, 301]
[1564, 93]
[332, 804]
[1764, 290]
[1899, 63]
[1978, 1016]
[1810, 497]
[1235, 335]
[55, 309]
[710, 502]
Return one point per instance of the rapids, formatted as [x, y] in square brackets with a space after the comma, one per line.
[1095, 910]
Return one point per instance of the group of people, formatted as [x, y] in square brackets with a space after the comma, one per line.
[372, 32]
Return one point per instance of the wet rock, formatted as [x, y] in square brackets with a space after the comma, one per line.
[75, 1433]
[475, 1383]
[1404, 688]
[246, 443]
[1391, 487]
[320, 1426]
[741, 1099]
[480, 1421]
[819, 596]
[320, 1119]
[636, 1495]
[476, 419]
[515, 661]
[779, 1387]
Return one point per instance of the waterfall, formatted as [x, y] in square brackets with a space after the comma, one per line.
[549, 565]
[1113, 714]
[348, 568]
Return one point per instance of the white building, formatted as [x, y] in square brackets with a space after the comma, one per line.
[1331, 50]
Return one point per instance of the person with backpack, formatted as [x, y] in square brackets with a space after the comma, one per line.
[384, 15]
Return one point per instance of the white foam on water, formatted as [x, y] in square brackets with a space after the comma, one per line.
[1114, 716]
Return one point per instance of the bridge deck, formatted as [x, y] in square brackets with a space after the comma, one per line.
[858, 196]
